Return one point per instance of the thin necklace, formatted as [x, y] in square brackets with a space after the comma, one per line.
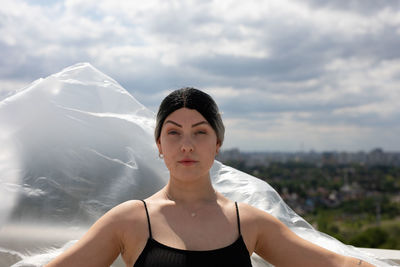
[192, 214]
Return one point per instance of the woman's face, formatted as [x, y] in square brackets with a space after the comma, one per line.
[189, 144]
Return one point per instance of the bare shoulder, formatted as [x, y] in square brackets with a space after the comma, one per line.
[128, 210]
[128, 219]
[255, 215]
[254, 221]
[125, 213]
[275, 242]
[129, 222]
[263, 224]
[117, 231]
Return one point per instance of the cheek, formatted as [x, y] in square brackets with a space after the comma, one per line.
[163, 144]
[169, 154]
[167, 148]
[210, 149]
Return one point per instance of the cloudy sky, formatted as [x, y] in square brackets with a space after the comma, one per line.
[287, 75]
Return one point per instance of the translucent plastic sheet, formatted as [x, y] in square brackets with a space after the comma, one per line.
[74, 145]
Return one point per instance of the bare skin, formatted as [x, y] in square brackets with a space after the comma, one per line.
[189, 145]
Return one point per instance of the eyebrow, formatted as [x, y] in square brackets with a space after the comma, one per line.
[194, 125]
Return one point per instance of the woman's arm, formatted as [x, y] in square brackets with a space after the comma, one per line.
[277, 244]
[101, 245]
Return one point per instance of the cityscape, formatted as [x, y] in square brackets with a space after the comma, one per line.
[353, 196]
[374, 157]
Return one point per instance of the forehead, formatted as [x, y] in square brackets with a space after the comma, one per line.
[185, 116]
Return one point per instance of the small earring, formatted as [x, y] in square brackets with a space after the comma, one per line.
[161, 156]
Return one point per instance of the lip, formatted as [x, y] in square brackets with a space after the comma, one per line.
[187, 162]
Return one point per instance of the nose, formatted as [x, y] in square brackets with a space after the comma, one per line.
[187, 145]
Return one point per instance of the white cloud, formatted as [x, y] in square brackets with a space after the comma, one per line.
[297, 64]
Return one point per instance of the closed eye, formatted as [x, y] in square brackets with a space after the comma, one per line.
[201, 132]
[173, 133]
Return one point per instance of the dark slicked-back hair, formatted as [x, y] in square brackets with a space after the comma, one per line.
[191, 98]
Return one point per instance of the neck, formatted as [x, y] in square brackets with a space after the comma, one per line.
[184, 193]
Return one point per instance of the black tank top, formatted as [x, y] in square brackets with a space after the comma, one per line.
[156, 254]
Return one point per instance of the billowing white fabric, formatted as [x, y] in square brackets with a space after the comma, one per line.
[75, 144]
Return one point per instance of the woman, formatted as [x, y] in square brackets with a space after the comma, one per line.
[188, 223]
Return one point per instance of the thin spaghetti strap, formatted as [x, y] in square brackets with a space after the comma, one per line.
[148, 218]
[238, 218]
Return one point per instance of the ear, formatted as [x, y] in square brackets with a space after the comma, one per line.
[159, 146]
[217, 147]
